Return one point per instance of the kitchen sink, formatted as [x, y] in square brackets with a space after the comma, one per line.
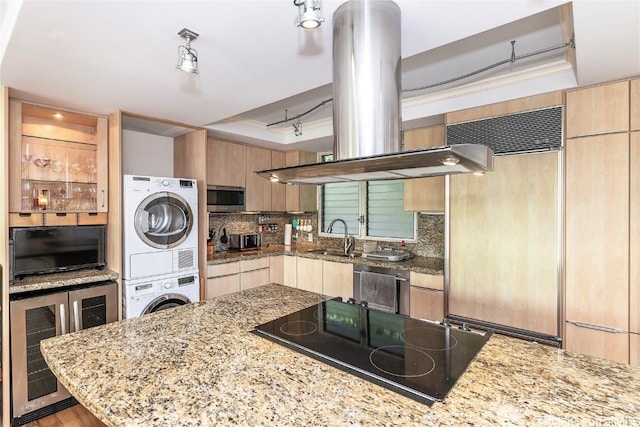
[333, 252]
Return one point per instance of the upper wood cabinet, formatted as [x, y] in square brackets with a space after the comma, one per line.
[597, 110]
[226, 163]
[424, 194]
[635, 104]
[278, 189]
[301, 198]
[258, 189]
[58, 161]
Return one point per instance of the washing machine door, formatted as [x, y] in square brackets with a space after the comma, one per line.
[163, 220]
[165, 302]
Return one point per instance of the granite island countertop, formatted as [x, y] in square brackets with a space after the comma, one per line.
[199, 365]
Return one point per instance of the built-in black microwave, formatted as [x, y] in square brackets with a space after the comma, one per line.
[40, 250]
[225, 199]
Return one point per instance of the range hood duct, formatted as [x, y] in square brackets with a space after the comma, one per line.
[366, 108]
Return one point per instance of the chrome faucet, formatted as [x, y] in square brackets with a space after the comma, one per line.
[349, 240]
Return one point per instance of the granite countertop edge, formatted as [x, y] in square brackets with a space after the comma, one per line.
[418, 264]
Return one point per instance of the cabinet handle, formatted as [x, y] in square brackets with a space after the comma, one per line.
[24, 215]
[63, 320]
[596, 327]
[61, 214]
[103, 198]
[76, 316]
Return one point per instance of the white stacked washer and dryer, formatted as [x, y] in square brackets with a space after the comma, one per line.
[160, 227]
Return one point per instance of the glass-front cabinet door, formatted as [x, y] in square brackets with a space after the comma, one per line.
[92, 307]
[33, 320]
[58, 160]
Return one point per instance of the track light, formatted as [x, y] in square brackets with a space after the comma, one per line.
[309, 13]
[187, 56]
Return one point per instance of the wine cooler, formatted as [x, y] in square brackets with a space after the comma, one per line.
[35, 390]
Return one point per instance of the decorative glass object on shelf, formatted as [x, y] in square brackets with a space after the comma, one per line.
[59, 161]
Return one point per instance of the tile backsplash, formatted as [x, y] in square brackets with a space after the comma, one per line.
[430, 241]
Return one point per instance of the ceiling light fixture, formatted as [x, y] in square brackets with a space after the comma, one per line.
[450, 161]
[309, 13]
[187, 56]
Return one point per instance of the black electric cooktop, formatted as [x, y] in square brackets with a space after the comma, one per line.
[418, 359]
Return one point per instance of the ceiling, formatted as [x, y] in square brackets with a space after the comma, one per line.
[103, 56]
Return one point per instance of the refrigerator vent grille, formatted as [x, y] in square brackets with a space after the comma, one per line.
[538, 130]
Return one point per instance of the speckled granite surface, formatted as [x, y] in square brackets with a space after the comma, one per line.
[58, 280]
[419, 264]
[198, 365]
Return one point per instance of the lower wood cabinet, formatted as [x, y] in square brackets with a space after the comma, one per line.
[254, 272]
[598, 342]
[222, 279]
[309, 274]
[276, 269]
[634, 349]
[290, 274]
[426, 296]
[337, 279]
[426, 303]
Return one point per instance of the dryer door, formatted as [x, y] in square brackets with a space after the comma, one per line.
[165, 302]
[163, 220]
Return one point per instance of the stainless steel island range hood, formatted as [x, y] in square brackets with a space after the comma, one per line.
[366, 109]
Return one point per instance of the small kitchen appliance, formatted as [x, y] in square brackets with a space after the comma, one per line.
[418, 359]
[245, 242]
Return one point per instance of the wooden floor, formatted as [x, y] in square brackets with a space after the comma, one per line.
[75, 416]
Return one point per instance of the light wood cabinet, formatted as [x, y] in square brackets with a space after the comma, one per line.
[254, 272]
[504, 244]
[597, 110]
[58, 160]
[290, 276]
[426, 303]
[301, 198]
[607, 345]
[226, 163]
[634, 233]
[426, 296]
[597, 233]
[278, 189]
[258, 189]
[337, 279]
[429, 281]
[56, 219]
[634, 349]
[309, 274]
[635, 105]
[276, 269]
[424, 194]
[222, 279]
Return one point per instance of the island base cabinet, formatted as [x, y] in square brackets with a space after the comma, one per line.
[595, 342]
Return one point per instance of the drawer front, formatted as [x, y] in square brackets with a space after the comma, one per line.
[223, 269]
[25, 220]
[92, 218]
[60, 218]
[427, 281]
[254, 264]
